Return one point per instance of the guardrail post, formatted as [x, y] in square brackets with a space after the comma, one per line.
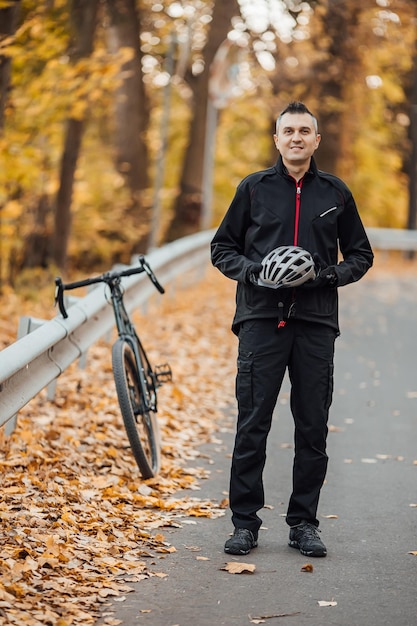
[28, 325]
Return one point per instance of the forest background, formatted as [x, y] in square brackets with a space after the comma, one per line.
[125, 124]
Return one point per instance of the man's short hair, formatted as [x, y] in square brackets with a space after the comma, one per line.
[297, 107]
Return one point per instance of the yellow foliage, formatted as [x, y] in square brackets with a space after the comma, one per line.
[48, 86]
[47, 89]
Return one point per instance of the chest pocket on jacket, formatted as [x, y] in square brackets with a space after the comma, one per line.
[324, 225]
[327, 211]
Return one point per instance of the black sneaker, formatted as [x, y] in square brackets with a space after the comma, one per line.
[242, 542]
[305, 537]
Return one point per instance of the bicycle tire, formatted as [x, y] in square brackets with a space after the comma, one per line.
[141, 425]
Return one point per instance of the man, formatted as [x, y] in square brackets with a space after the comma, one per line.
[290, 204]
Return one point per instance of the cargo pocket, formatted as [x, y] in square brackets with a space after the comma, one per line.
[244, 393]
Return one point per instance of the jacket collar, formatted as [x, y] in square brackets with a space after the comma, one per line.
[281, 169]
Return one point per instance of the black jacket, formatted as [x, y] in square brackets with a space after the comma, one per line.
[265, 214]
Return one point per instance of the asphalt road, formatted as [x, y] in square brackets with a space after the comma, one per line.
[368, 512]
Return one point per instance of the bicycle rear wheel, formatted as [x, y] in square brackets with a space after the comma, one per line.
[141, 426]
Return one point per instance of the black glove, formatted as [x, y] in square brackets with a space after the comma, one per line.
[326, 276]
[253, 272]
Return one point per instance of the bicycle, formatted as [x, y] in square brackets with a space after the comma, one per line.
[135, 379]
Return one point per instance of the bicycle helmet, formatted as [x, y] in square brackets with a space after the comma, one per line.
[287, 266]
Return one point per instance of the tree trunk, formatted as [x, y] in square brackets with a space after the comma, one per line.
[83, 18]
[131, 105]
[188, 205]
[8, 23]
[131, 115]
[36, 246]
[63, 216]
[412, 164]
[333, 75]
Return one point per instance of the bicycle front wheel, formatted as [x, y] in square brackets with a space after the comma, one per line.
[140, 423]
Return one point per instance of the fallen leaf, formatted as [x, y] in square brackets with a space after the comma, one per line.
[202, 558]
[234, 567]
[107, 592]
[145, 490]
[331, 516]
[307, 567]
[413, 552]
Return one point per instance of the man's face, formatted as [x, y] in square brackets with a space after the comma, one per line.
[296, 138]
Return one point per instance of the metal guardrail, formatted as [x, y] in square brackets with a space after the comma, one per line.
[393, 239]
[37, 359]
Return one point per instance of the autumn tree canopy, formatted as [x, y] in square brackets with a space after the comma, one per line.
[103, 115]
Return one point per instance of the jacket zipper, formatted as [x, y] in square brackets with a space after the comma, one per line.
[291, 311]
[299, 184]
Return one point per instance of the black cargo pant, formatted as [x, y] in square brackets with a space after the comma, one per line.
[265, 351]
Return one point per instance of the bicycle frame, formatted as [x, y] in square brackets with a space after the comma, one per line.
[127, 331]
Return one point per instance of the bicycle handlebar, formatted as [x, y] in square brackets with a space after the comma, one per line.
[147, 268]
[108, 278]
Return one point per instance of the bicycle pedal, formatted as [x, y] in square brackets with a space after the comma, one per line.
[163, 373]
